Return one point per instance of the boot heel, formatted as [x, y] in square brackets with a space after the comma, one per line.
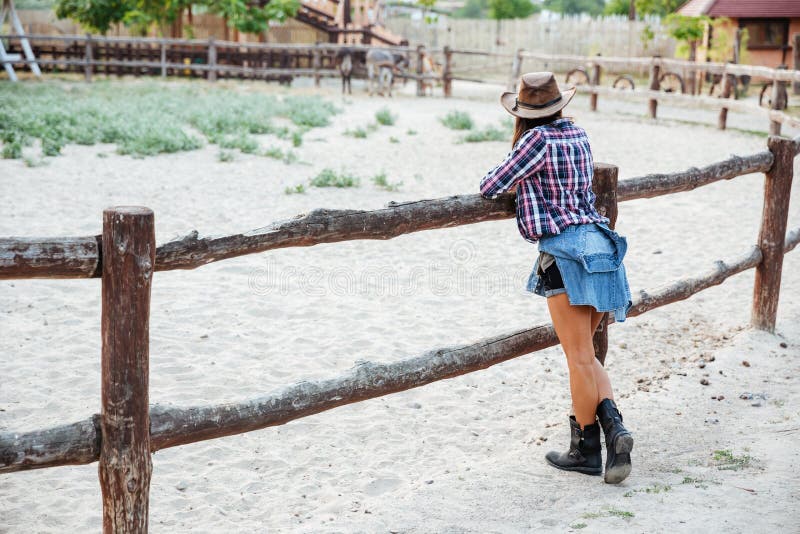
[623, 444]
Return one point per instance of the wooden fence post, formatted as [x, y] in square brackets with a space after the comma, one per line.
[447, 74]
[87, 68]
[420, 54]
[516, 70]
[163, 59]
[212, 60]
[777, 189]
[778, 102]
[722, 120]
[604, 185]
[595, 81]
[796, 59]
[655, 73]
[125, 465]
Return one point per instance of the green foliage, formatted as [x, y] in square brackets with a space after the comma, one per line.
[358, 133]
[411, 132]
[511, 9]
[330, 178]
[643, 7]
[574, 7]
[385, 117]
[297, 138]
[725, 459]
[473, 9]
[245, 16]
[225, 156]
[147, 119]
[299, 188]
[273, 152]
[97, 16]
[489, 133]
[381, 181]
[394, 140]
[457, 120]
[686, 29]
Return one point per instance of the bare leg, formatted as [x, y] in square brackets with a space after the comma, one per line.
[573, 326]
[600, 375]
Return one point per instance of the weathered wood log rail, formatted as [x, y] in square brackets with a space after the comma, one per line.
[128, 429]
[80, 257]
[214, 59]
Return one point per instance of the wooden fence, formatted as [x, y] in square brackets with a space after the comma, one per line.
[125, 257]
[212, 60]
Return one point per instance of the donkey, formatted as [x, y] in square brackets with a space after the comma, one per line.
[344, 60]
[382, 64]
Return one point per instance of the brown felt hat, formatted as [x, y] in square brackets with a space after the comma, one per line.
[539, 96]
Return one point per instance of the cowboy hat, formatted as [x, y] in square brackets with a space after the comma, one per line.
[539, 96]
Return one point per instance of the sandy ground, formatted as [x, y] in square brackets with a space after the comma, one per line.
[461, 455]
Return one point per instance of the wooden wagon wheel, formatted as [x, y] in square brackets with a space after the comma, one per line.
[671, 82]
[765, 98]
[577, 77]
[717, 86]
[624, 82]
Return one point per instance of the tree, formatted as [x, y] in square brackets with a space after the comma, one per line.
[575, 7]
[472, 9]
[94, 15]
[511, 9]
[142, 15]
[642, 7]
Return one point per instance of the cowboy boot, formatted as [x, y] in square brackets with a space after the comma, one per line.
[584, 454]
[619, 442]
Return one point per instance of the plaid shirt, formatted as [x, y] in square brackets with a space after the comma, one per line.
[551, 168]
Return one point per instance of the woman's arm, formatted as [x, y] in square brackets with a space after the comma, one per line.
[527, 156]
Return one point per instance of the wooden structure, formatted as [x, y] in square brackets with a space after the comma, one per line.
[126, 432]
[769, 23]
[348, 21]
[7, 59]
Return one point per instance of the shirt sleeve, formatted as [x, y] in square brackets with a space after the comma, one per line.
[527, 156]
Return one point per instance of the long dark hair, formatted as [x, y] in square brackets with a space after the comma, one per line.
[523, 125]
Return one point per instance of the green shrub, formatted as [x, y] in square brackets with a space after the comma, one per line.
[457, 120]
[358, 133]
[381, 181]
[149, 118]
[490, 133]
[330, 178]
[299, 188]
[385, 117]
[394, 140]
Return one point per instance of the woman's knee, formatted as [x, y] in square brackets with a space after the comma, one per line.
[581, 357]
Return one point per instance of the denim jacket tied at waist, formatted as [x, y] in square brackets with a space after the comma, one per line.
[589, 257]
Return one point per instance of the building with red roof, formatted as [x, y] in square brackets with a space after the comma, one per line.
[770, 24]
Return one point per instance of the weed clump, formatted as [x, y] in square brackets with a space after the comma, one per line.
[457, 120]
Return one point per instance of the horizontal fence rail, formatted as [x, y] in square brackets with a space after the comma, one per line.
[79, 443]
[80, 257]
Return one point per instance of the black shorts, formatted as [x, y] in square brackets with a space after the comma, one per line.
[551, 279]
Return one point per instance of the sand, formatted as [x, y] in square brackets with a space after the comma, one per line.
[461, 455]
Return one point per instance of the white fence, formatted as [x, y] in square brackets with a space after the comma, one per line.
[610, 36]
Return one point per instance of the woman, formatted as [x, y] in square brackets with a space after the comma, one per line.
[579, 268]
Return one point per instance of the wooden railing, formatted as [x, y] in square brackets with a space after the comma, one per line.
[125, 257]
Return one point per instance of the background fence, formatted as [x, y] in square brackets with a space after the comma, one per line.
[610, 36]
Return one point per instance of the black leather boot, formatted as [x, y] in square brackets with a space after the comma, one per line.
[619, 442]
[584, 455]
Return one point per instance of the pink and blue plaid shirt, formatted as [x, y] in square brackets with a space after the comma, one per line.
[551, 167]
